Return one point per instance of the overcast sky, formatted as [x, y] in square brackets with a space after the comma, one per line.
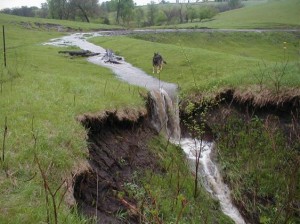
[29, 3]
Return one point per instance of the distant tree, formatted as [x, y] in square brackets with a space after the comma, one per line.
[192, 13]
[21, 11]
[125, 10]
[160, 18]
[234, 4]
[139, 15]
[57, 8]
[43, 11]
[207, 12]
[110, 6]
[182, 14]
[6, 11]
[152, 13]
[85, 8]
[172, 13]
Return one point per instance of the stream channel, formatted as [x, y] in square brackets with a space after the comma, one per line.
[163, 96]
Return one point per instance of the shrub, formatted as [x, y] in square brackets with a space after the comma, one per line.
[207, 12]
[234, 4]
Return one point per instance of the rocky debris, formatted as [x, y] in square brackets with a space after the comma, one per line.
[110, 57]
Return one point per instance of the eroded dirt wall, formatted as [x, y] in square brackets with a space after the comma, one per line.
[117, 143]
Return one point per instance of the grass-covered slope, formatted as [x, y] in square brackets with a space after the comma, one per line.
[41, 24]
[272, 14]
[41, 94]
[209, 60]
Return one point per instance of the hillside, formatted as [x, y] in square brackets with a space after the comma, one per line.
[41, 95]
[272, 14]
[54, 108]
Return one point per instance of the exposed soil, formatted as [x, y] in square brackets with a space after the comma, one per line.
[117, 143]
[250, 102]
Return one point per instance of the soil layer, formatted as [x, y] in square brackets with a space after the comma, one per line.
[117, 143]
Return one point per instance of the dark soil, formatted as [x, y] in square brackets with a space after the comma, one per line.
[117, 143]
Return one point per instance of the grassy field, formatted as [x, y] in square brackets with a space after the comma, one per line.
[39, 24]
[209, 60]
[271, 14]
[42, 93]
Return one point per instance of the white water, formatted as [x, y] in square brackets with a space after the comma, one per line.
[165, 117]
[210, 175]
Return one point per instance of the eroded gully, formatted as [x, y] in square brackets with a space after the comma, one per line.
[163, 97]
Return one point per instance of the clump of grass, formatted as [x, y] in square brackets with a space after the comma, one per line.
[261, 167]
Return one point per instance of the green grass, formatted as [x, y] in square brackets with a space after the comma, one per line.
[272, 14]
[209, 60]
[42, 94]
[31, 24]
[261, 167]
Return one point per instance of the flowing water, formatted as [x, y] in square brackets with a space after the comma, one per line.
[164, 113]
[165, 117]
[210, 175]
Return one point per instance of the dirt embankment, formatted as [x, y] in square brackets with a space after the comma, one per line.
[117, 143]
[247, 104]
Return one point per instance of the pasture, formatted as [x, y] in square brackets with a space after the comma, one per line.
[213, 60]
[43, 92]
[267, 15]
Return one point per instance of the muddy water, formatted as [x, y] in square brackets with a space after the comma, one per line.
[165, 117]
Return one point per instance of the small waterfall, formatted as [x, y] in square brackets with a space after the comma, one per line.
[164, 114]
[165, 118]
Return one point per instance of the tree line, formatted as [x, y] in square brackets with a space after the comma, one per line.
[126, 12]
